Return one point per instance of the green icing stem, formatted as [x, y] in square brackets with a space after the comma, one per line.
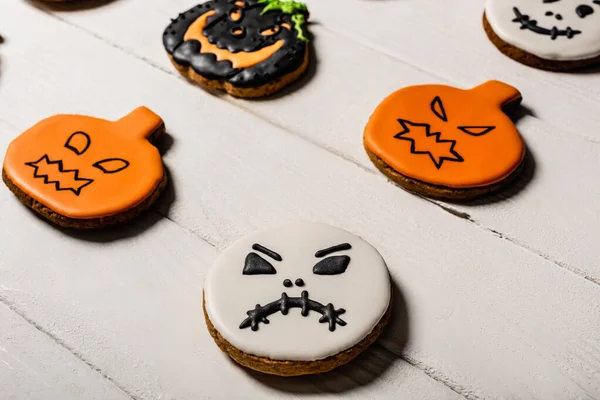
[289, 7]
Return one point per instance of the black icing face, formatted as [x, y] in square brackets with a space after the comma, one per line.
[234, 40]
[328, 264]
[543, 26]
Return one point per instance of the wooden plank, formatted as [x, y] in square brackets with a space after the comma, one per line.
[33, 366]
[129, 300]
[565, 165]
[447, 40]
[470, 296]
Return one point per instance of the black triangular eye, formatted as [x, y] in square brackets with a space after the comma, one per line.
[78, 142]
[112, 165]
[438, 109]
[476, 130]
[332, 265]
[256, 265]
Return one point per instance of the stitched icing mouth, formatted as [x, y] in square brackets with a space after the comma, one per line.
[531, 24]
[260, 313]
[62, 179]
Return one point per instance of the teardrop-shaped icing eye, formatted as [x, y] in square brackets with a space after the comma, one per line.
[332, 265]
[438, 109]
[236, 14]
[270, 31]
[78, 142]
[112, 165]
[256, 265]
[476, 130]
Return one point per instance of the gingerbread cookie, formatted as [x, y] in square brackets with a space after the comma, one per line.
[85, 172]
[299, 299]
[249, 48]
[445, 142]
[555, 35]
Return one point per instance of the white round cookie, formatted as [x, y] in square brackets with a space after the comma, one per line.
[346, 283]
[556, 30]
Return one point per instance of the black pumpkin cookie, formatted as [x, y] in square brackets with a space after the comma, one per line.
[249, 48]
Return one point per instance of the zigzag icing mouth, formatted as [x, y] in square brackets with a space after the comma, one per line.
[62, 179]
[260, 313]
[531, 24]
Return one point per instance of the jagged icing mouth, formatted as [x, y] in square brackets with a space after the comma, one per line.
[260, 313]
[54, 173]
[531, 24]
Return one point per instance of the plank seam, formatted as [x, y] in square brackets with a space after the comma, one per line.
[367, 44]
[334, 152]
[66, 347]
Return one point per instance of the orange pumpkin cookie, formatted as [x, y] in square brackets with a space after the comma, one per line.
[85, 172]
[445, 142]
[249, 48]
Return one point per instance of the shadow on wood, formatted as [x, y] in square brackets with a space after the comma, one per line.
[70, 5]
[363, 371]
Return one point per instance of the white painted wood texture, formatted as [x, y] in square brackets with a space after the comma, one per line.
[494, 301]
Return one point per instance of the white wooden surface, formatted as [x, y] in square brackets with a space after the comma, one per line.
[495, 300]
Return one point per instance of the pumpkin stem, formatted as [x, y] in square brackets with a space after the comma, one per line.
[499, 93]
[140, 123]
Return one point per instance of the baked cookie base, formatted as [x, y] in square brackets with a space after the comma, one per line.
[91, 223]
[295, 368]
[439, 192]
[253, 92]
[532, 60]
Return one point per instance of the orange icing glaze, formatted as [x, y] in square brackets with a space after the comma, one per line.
[116, 167]
[238, 60]
[477, 144]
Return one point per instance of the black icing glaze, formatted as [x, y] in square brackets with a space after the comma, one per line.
[532, 25]
[260, 313]
[267, 252]
[584, 10]
[332, 265]
[256, 265]
[235, 36]
[332, 249]
[287, 283]
[299, 282]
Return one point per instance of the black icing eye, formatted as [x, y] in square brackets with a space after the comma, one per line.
[78, 142]
[256, 265]
[550, 1]
[584, 10]
[111, 165]
[334, 265]
[438, 109]
[476, 130]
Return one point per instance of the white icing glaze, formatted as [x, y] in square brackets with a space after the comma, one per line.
[585, 45]
[363, 290]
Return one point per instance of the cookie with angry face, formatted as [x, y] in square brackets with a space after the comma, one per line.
[445, 142]
[556, 35]
[249, 48]
[298, 299]
[85, 172]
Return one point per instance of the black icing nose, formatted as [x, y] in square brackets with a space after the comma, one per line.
[299, 282]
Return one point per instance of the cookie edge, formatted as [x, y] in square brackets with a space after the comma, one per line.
[532, 60]
[296, 368]
[440, 192]
[265, 90]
